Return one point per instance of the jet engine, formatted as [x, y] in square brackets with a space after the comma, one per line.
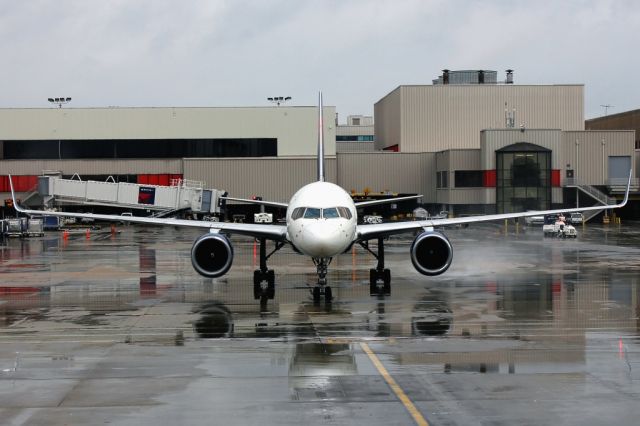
[212, 255]
[431, 253]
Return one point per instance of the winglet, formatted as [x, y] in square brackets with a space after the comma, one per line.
[13, 196]
[626, 194]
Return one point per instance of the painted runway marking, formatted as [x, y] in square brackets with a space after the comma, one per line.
[417, 416]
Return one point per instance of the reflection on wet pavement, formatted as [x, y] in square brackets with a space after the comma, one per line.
[516, 319]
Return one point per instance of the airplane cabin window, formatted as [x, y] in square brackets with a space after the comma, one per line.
[297, 213]
[330, 213]
[312, 213]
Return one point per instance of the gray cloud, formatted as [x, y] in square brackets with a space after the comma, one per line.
[228, 53]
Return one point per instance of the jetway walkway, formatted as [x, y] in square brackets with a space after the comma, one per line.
[181, 195]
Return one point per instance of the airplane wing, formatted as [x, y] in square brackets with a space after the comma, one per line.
[262, 202]
[272, 232]
[377, 230]
[386, 200]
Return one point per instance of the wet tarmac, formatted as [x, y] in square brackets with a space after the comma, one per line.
[119, 329]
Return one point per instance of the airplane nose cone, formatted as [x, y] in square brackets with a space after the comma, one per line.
[323, 240]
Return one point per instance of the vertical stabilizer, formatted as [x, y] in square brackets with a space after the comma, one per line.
[320, 140]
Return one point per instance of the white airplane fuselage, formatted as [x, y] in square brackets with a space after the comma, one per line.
[321, 220]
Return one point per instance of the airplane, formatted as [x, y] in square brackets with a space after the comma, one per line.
[321, 222]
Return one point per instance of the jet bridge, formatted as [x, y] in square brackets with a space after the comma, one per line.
[181, 195]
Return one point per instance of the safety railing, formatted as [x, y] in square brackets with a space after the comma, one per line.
[620, 184]
[590, 190]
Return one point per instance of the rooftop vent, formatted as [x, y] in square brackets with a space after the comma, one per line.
[509, 79]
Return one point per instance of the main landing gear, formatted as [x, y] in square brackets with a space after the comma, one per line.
[322, 289]
[380, 277]
[264, 287]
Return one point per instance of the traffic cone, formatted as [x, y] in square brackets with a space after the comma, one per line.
[65, 234]
[88, 233]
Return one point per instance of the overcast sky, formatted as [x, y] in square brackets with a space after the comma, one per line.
[238, 53]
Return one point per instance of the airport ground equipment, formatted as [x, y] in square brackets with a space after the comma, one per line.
[51, 223]
[556, 226]
[263, 218]
[16, 227]
[35, 227]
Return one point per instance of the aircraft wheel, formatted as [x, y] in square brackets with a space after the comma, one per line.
[328, 296]
[386, 275]
[263, 300]
[316, 294]
[373, 282]
[271, 284]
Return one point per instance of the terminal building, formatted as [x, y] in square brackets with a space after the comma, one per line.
[469, 143]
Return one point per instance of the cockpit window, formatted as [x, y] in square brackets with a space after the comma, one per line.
[330, 213]
[312, 213]
[344, 212]
[297, 213]
[316, 213]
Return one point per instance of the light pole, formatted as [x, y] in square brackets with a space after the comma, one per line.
[59, 101]
[279, 99]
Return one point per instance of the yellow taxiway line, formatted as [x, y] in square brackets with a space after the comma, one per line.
[417, 416]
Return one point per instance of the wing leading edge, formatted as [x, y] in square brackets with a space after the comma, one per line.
[386, 200]
[365, 232]
[261, 202]
[273, 232]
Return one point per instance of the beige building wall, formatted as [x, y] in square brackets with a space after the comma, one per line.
[355, 146]
[346, 130]
[91, 167]
[461, 159]
[588, 157]
[388, 131]
[439, 117]
[275, 179]
[295, 128]
[387, 171]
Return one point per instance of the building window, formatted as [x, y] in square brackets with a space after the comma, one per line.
[468, 178]
[441, 179]
[353, 138]
[138, 148]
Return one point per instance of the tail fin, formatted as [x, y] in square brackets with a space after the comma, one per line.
[320, 140]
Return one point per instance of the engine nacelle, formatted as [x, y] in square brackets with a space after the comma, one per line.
[431, 253]
[212, 255]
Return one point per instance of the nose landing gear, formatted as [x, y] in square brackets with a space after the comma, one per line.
[322, 289]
